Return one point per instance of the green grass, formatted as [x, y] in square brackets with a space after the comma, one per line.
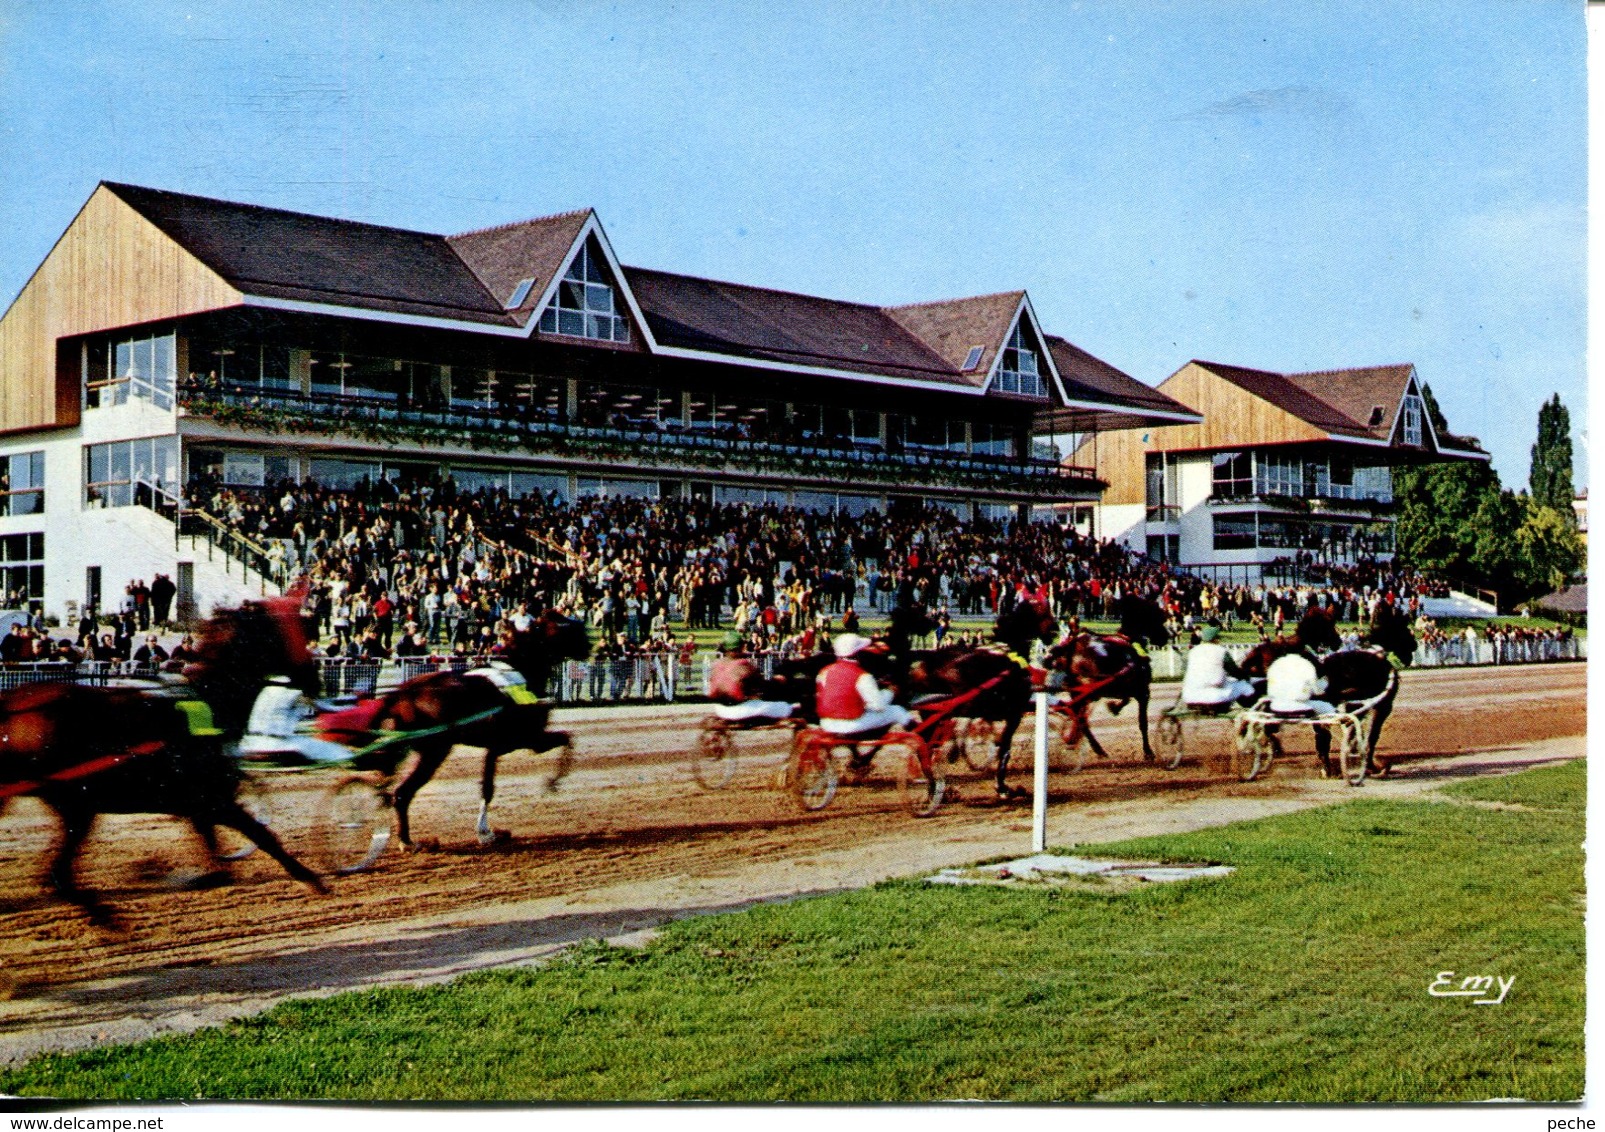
[1302, 977]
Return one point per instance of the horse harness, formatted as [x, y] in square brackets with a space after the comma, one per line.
[197, 716]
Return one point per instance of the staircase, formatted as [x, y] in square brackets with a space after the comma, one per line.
[227, 568]
[1458, 604]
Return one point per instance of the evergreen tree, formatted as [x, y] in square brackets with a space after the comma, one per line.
[1551, 478]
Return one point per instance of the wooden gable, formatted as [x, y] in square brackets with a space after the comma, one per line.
[1233, 418]
[111, 268]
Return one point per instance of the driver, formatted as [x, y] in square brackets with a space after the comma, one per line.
[849, 700]
[274, 727]
[1292, 683]
[1213, 678]
[736, 686]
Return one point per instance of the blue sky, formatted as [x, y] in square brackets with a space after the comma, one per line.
[1285, 186]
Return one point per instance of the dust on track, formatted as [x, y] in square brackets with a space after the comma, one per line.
[629, 842]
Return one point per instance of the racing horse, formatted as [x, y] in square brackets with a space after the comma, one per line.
[1113, 667]
[86, 751]
[1002, 674]
[435, 712]
[1351, 674]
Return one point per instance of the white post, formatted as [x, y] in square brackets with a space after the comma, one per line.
[1039, 768]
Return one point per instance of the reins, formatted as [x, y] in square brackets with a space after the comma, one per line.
[82, 770]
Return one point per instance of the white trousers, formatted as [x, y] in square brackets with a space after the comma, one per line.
[892, 715]
[753, 709]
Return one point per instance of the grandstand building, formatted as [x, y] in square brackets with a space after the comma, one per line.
[168, 337]
[1284, 476]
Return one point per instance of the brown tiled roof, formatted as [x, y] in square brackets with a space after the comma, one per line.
[1290, 396]
[291, 255]
[1357, 393]
[1087, 378]
[781, 326]
[504, 256]
[953, 327]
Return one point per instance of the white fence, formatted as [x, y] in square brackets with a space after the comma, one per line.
[665, 678]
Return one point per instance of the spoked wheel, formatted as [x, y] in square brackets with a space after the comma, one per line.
[1073, 746]
[1351, 752]
[922, 781]
[254, 796]
[1169, 741]
[977, 741]
[714, 763]
[356, 825]
[1253, 751]
[815, 779]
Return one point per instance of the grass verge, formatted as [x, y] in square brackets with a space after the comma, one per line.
[1303, 977]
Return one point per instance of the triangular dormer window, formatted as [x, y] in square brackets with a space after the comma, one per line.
[1410, 428]
[586, 304]
[1019, 370]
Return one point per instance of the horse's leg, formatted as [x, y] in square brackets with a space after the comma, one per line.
[1011, 724]
[75, 827]
[1323, 749]
[1379, 716]
[216, 871]
[1141, 696]
[429, 759]
[487, 790]
[237, 817]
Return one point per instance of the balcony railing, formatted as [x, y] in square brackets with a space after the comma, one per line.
[284, 411]
[1266, 488]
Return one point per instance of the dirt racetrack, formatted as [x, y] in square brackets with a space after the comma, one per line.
[630, 842]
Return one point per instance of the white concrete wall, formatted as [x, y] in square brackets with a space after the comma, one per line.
[1125, 523]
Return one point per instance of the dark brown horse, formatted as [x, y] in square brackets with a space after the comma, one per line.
[1352, 675]
[87, 751]
[449, 709]
[1113, 667]
[1003, 671]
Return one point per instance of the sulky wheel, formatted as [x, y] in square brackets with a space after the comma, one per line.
[714, 763]
[814, 780]
[1169, 741]
[1073, 745]
[254, 796]
[922, 781]
[977, 741]
[356, 825]
[1351, 752]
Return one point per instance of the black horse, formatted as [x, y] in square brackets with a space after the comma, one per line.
[87, 751]
[1352, 675]
[1002, 672]
[1113, 668]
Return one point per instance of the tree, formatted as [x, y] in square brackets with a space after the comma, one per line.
[1551, 478]
[1549, 551]
[1454, 520]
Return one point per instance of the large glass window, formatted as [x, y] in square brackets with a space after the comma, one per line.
[1280, 475]
[344, 473]
[1233, 474]
[114, 473]
[1017, 373]
[22, 484]
[990, 439]
[1234, 532]
[585, 306]
[143, 368]
[22, 569]
[630, 489]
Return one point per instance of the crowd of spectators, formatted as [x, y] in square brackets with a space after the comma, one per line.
[399, 568]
